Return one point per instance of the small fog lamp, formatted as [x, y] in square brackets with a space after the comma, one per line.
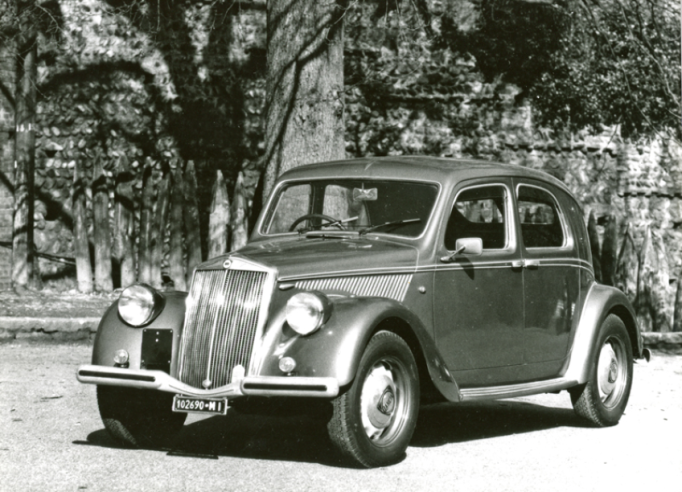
[121, 357]
[287, 364]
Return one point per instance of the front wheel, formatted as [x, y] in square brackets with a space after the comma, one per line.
[603, 399]
[373, 421]
[139, 418]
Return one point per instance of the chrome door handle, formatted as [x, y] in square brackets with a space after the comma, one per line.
[517, 264]
[531, 264]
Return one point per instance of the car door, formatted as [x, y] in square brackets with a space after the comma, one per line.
[478, 300]
[551, 277]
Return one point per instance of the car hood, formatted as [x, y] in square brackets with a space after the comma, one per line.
[317, 257]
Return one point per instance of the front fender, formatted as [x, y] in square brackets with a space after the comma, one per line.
[601, 300]
[114, 334]
[336, 349]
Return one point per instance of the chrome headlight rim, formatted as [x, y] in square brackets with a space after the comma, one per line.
[307, 311]
[139, 305]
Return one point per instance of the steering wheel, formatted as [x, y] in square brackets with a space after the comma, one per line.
[329, 219]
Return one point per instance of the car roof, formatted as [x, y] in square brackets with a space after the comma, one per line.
[423, 168]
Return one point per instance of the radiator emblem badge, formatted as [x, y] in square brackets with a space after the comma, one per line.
[227, 264]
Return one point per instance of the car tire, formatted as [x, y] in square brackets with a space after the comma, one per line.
[602, 400]
[373, 421]
[139, 418]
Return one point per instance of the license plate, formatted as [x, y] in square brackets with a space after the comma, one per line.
[185, 404]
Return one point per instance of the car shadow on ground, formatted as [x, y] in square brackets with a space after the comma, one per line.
[453, 423]
[304, 438]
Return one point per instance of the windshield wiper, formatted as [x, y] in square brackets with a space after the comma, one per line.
[393, 223]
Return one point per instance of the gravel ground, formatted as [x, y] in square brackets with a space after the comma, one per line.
[51, 438]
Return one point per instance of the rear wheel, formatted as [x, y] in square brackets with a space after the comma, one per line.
[139, 418]
[603, 399]
[374, 420]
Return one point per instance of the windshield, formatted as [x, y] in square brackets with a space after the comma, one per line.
[392, 207]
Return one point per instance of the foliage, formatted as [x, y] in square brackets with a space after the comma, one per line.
[615, 62]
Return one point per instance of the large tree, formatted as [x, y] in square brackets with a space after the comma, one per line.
[304, 107]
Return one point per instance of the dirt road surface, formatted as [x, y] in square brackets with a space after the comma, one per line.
[51, 439]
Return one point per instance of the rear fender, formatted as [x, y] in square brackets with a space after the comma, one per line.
[601, 301]
[336, 348]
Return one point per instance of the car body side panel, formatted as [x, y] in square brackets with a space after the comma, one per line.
[113, 334]
[600, 301]
[335, 350]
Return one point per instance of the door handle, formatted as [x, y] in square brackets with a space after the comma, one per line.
[529, 264]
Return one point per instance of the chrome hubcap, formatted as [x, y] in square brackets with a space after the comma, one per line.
[611, 372]
[379, 401]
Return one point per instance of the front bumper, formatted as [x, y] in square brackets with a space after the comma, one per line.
[248, 386]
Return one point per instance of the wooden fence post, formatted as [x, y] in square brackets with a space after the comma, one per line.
[158, 230]
[175, 255]
[627, 267]
[677, 314]
[192, 226]
[594, 245]
[219, 219]
[100, 212]
[80, 232]
[239, 224]
[609, 251]
[124, 223]
[146, 217]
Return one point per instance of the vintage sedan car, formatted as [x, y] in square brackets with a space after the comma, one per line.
[375, 285]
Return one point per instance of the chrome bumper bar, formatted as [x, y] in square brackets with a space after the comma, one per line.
[250, 385]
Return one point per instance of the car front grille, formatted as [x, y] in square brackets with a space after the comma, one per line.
[221, 325]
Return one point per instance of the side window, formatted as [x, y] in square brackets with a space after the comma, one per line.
[479, 212]
[540, 218]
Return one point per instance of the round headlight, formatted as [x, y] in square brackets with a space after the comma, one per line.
[136, 304]
[306, 311]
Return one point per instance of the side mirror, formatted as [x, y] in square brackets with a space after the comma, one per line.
[465, 246]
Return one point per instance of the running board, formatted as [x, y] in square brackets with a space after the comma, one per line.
[514, 390]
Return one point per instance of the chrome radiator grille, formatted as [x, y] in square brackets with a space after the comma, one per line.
[220, 325]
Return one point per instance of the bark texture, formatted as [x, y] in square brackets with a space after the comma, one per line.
[176, 251]
[23, 263]
[80, 232]
[146, 218]
[219, 219]
[239, 224]
[124, 223]
[192, 227]
[158, 232]
[304, 106]
[100, 211]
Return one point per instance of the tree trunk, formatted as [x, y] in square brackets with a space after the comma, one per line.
[239, 223]
[146, 217]
[175, 255]
[219, 220]
[80, 232]
[23, 259]
[192, 227]
[158, 232]
[304, 82]
[125, 222]
[660, 295]
[100, 212]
